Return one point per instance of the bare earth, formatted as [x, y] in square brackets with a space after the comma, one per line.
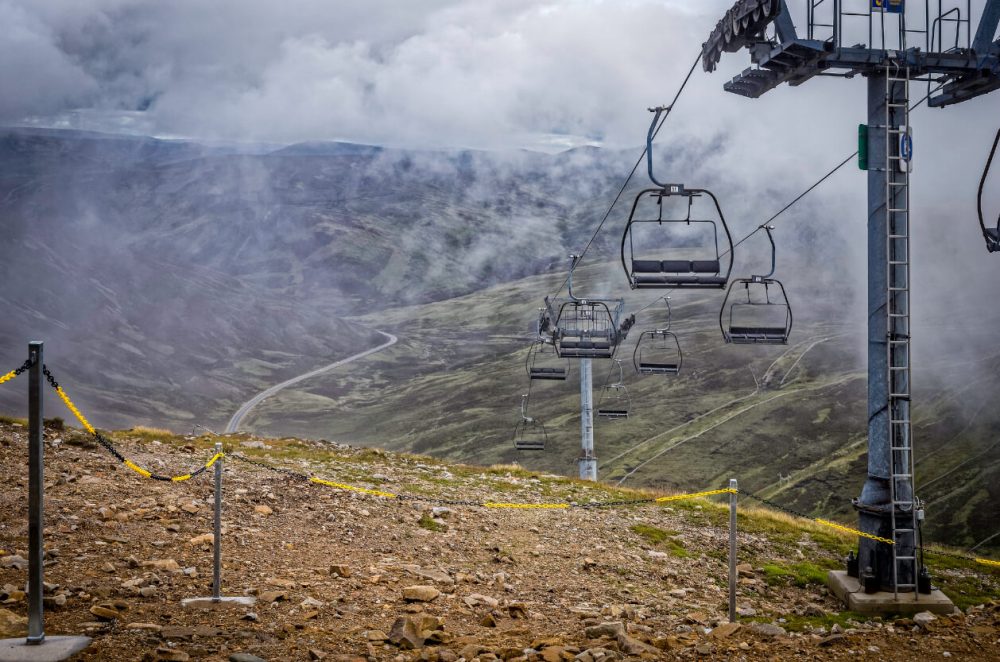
[334, 572]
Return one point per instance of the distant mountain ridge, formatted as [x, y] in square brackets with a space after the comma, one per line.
[172, 281]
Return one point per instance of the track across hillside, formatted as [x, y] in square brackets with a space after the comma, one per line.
[246, 407]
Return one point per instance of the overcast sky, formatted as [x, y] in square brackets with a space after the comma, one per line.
[476, 73]
[488, 74]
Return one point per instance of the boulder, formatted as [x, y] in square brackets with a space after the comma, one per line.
[420, 593]
[405, 633]
[12, 625]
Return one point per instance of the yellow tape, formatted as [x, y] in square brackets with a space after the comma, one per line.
[995, 564]
[76, 412]
[847, 529]
[136, 468]
[350, 488]
[9, 376]
[696, 495]
[528, 506]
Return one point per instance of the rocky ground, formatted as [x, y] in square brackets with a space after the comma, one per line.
[346, 576]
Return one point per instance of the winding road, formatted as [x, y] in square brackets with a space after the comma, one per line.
[234, 422]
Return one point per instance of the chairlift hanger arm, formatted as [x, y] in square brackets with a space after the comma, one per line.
[653, 127]
[992, 243]
[774, 250]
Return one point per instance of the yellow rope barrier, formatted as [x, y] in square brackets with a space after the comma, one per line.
[527, 506]
[847, 529]
[145, 473]
[9, 376]
[696, 495]
[989, 562]
[350, 488]
[76, 412]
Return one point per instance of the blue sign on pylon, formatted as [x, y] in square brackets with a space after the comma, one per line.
[890, 6]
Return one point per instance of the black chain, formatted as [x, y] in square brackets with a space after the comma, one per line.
[281, 470]
[48, 375]
[772, 504]
[26, 366]
[952, 555]
[440, 502]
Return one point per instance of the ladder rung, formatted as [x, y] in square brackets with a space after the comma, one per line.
[901, 477]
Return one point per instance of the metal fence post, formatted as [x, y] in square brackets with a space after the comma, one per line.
[732, 550]
[217, 546]
[217, 600]
[36, 495]
[36, 646]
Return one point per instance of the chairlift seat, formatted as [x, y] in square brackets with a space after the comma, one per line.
[677, 273]
[586, 353]
[582, 347]
[760, 335]
[558, 374]
[612, 413]
[993, 239]
[659, 368]
[529, 445]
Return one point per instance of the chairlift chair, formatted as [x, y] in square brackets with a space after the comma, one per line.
[543, 363]
[619, 402]
[658, 351]
[992, 235]
[529, 434]
[584, 328]
[764, 320]
[656, 267]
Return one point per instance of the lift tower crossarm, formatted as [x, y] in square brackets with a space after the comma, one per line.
[987, 27]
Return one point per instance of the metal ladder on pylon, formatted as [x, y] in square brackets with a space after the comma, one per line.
[899, 150]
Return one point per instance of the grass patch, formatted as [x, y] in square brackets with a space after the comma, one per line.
[427, 522]
[661, 538]
[148, 432]
[800, 574]
[795, 623]
[10, 420]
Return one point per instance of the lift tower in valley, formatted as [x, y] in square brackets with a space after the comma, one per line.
[891, 43]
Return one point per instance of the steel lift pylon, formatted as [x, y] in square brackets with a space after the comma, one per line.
[892, 43]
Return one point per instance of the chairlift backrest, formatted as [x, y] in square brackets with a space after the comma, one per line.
[650, 265]
[529, 433]
[764, 320]
[543, 363]
[658, 352]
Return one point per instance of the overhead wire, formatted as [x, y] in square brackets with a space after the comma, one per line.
[791, 204]
[816, 184]
[631, 174]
